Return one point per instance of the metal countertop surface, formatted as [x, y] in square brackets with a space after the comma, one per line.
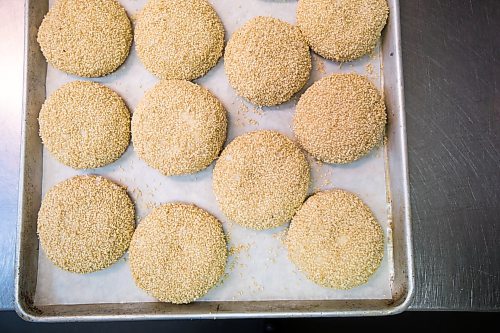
[451, 61]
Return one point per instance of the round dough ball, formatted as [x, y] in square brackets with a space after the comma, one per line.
[85, 125]
[179, 127]
[335, 240]
[179, 39]
[342, 30]
[267, 61]
[340, 118]
[178, 253]
[88, 38]
[85, 223]
[261, 179]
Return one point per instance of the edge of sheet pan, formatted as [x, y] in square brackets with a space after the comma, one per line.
[30, 196]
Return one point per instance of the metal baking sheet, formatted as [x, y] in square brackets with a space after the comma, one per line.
[259, 281]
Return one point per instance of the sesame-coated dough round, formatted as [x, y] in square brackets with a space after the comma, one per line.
[335, 240]
[340, 118]
[85, 223]
[179, 39]
[267, 61]
[88, 38]
[342, 30]
[179, 127]
[261, 179]
[85, 125]
[178, 253]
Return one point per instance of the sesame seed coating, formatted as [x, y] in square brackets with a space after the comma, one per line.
[178, 39]
[85, 223]
[335, 240]
[340, 118]
[261, 179]
[88, 38]
[267, 61]
[85, 125]
[342, 30]
[178, 253]
[179, 127]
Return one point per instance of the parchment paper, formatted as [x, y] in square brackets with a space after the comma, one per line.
[258, 268]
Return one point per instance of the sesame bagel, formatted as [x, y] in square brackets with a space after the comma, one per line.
[88, 38]
[178, 39]
[85, 223]
[178, 127]
[342, 30]
[340, 118]
[261, 179]
[85, 125]
[267, 61]
[178, 253]
[335, 240]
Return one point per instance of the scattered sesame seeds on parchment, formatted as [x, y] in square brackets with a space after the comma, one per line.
[319, 64]
[261, 270]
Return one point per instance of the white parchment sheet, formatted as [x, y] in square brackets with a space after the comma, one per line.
[258, 268]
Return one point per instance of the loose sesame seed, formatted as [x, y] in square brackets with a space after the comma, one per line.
[261, 179]
[85, 223]
[178, 127]
[342, 30]
[335, 240]
[178, 39]
[85, 125]
[340, 118]
[369, 68]
[320, 65]
[88, 38]
[267, 61]
[178, 253]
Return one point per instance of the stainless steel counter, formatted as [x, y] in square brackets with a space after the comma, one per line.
[451, 58]
[11, 85]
